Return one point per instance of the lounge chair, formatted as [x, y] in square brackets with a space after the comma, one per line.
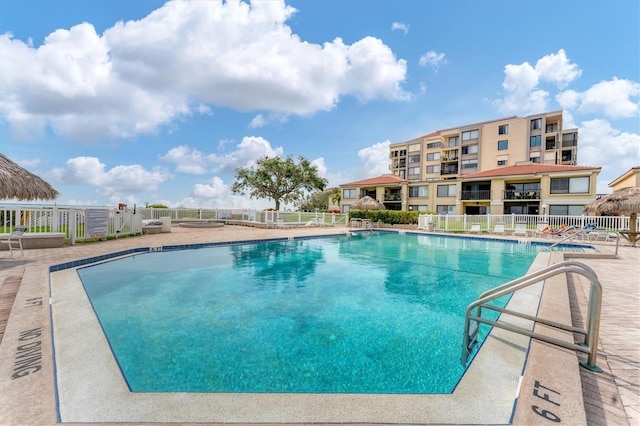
[581, 232]
[551, 232]
[475, 227]
[521, 229]
[499, 229]
[15, 238]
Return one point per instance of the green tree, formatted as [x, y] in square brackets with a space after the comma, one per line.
[281, 180]
[336, 197]
[317, 201]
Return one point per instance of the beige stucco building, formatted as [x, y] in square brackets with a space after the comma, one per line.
[521, 165]
[630, 178]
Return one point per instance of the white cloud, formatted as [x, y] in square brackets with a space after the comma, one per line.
[375, 159]
[215, 189]
[521, 83]
[185, 57]
[247, 152]
[400, 27]
[320, 166]
[117, 181]
[611, 98]
[557, 69]
[434, 59]
[258, 121]
[187, 160]
[602, 145]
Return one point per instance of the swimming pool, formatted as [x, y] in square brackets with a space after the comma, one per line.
[369, 313]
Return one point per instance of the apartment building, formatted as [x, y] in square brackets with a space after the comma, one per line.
[479, 169]
[629, 178]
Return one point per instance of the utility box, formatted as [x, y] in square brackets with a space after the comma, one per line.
[166, 224]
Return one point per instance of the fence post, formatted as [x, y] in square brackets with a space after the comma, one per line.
[72, 222]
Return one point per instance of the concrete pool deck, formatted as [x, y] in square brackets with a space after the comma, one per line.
[28, 390]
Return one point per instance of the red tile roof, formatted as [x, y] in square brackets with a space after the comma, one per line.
[529, 169]
[380, 180]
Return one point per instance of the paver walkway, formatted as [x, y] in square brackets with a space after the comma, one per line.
[611, 397]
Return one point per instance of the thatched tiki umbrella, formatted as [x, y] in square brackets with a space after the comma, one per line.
[623, 202]
[368, 203]
[19, 183]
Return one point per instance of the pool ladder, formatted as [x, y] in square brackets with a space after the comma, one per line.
[590, 344]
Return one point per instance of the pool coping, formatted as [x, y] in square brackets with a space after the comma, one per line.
[90, 387]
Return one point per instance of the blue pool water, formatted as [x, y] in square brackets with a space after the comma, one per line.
[370, 313]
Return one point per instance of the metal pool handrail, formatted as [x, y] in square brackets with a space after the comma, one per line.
[590, 345]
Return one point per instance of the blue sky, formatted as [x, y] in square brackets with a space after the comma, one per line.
[159, 102]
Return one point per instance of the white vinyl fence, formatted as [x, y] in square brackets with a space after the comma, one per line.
[85, 223]
[461, 223]
[246, 215]
[77, 223]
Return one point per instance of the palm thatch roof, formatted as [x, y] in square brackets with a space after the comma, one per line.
[622, 202]
[19, 183]
[368, 203]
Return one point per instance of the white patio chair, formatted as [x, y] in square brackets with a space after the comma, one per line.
[521, 229]
[475, 227]
[14, 241]
[499, 229]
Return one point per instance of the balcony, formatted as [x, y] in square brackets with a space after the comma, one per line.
[393, 197]
[517, 195]
[475, 195]
[448, 170]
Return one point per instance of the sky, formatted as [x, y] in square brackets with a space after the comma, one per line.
[153, 102]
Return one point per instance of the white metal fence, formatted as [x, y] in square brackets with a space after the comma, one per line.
[460, 223]
[73, 222]
[247, 215]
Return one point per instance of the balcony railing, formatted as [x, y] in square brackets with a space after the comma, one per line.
[520, 195]
[449, 172]
[475, 195]
[393, 197]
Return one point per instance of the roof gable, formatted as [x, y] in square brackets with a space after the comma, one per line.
[380, 180]
[529, 169]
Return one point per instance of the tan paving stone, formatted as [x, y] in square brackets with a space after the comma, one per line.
[610, 399]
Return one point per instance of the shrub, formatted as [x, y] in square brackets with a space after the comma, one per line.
[391, 217]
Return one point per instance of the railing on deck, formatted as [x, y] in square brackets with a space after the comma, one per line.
[72, 221]
[462, 223]
[259, 216]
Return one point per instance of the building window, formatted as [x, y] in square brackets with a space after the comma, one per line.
[446, 209]
[502, 162]
[534, 159]
[454, 141]
[433, 169]
[553, 127]
[414, 158]
[418, 208]
[570, 185]
[400, 173]
[535, 141]
[348, 193]
[414, 170]
[432, 145]
[418, 191]
[469, 135]
[433, 157]
[470, 149]
[446, 190]
[414, 147]
[536, 124]
[502, 145]
[469, 164]
[560, 210]
[503, 130]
